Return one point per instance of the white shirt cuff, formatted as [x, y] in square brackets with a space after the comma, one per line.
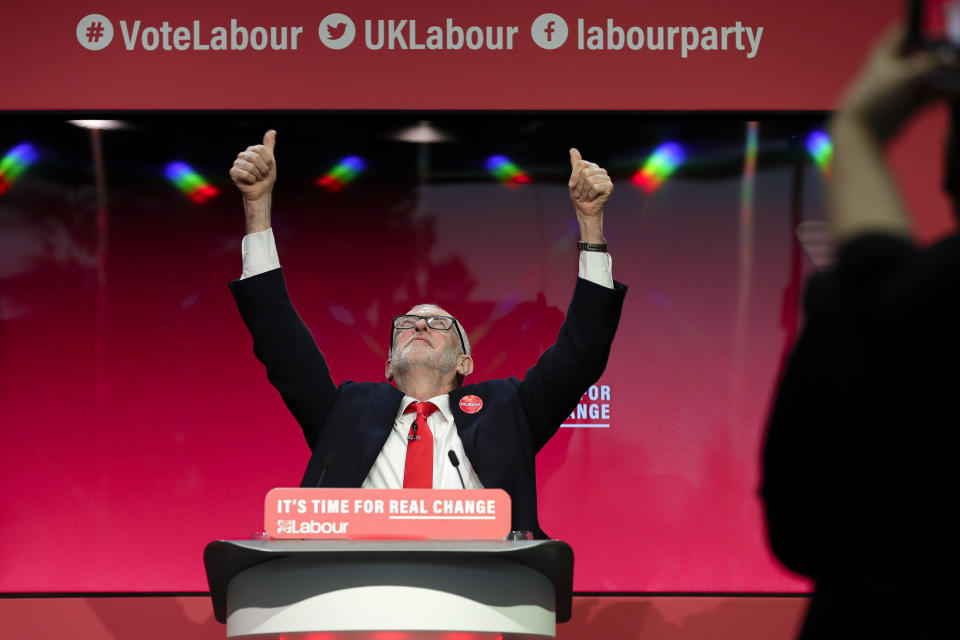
[597, 267]
[259, 252]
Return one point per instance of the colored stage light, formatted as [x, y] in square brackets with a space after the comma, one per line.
[749, 167]
[190, 182]
[506, 171]
[342, 174]
[14, 163]
[821, 150]
[659, 166]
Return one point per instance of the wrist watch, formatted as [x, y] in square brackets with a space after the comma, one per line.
[592, 246]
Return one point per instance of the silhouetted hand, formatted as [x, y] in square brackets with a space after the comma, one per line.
[892, 86]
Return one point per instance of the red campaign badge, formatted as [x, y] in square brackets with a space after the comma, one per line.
[471, 404]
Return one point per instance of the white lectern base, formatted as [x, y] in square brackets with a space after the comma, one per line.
[390, 590]
[472, 595]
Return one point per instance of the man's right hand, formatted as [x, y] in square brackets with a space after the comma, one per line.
[254, 172]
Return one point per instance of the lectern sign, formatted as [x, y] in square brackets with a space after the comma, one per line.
[387, 514]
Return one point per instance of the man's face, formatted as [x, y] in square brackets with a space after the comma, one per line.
[423, 346]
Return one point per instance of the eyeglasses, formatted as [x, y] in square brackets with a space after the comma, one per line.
[440, 323]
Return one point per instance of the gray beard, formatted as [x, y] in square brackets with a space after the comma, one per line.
[440, 363]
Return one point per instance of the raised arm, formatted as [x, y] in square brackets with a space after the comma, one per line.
[281, 341]
[862, 195]
[552, 388]
[816, 396]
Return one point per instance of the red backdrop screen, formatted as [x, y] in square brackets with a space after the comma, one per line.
[136, 424]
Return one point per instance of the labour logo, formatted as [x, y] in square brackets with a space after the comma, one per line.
[94, 31]
[337, 31]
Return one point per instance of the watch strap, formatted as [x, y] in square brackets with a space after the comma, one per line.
[592, 246]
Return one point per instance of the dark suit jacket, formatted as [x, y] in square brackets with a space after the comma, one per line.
[353, 420]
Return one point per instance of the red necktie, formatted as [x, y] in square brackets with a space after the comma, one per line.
[418, 470]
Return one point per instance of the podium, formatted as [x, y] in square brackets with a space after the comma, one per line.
[272, 589]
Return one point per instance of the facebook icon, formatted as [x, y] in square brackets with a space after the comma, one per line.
[549, 31]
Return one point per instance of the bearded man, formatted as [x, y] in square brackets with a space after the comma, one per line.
[383, 435]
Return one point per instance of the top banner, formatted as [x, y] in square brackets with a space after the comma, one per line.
[555, 55]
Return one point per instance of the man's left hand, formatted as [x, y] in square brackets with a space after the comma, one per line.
[590, 186]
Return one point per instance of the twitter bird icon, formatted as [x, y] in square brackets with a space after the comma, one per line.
[337, 31]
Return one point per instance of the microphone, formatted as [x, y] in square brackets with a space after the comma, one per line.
[326, 465]
[456, 465]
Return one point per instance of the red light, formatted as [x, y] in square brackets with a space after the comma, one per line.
[329, 183]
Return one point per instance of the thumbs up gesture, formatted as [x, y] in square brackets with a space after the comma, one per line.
[255, 169]
[590, 186]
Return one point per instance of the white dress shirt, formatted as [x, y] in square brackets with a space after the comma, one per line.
[259, 252]
[387, 471]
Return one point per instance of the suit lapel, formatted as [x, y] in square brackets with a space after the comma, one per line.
[375, 424]
[466, 423]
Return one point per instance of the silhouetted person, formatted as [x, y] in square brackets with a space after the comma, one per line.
[861, 462]
[382, 435]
